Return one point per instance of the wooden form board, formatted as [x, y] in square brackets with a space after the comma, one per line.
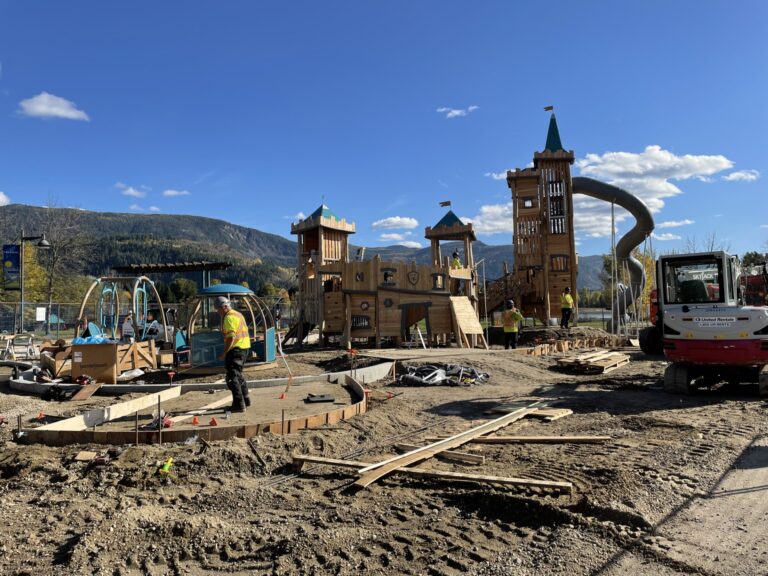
[373, 472]
[81, 429]
[100, 415]
[458, 476]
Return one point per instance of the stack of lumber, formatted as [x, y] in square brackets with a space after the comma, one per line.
[596, 362]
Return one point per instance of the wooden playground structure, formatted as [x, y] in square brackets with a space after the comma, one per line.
[544, 246]
[375, 299]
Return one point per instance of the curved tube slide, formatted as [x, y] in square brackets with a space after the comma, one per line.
[636, 236]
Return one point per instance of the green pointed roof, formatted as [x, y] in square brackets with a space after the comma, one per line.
[553, 136]
[323, 211]
[449, 220]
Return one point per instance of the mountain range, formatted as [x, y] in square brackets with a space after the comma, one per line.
[118, 239]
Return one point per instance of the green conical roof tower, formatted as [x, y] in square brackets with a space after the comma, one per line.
[553, 136]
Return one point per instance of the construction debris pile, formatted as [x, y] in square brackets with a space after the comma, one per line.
[442, 375]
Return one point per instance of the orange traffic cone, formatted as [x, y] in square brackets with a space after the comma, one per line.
[213, 422]
[195, 420]
[41, 415]
[282, 396]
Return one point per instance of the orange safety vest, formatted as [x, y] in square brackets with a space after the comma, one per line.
[240, 333]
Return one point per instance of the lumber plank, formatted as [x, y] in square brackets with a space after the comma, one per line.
[100, 415]
[463, 457]
[300, 460]
[536, 439]
[87, 391]
[373, 472]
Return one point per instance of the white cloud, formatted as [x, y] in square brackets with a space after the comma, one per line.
[130, 190]
[395, 222]
[496, 175]
[675, 223]
[763, 225]
[492, 219]
[647, 175]
[154, 209]
[171, 192]
[136, 207]
[743, 175]
[666, 236]
[133, 192]
[46, 105]
[456, 112]
[409, 244]
[4, 199]
[393, 237]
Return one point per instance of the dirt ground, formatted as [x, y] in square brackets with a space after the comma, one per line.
[678, 490]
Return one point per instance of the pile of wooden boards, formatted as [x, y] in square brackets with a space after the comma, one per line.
[371, 472]
[595, 362]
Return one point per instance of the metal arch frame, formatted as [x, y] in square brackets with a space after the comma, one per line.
[266, 316]
[133, 283]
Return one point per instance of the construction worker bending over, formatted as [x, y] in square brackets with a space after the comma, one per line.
[566, 307]
[237, 347]
[511, 319]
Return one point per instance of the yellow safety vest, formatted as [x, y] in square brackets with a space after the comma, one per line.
[511, 319]
[566, 301]
[235, 328]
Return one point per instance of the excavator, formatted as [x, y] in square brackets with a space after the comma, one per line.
[710, 319]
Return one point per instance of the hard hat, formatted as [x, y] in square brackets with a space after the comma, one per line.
[220, 302]
[510, 304]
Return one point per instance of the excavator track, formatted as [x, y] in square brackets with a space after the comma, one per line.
[677, 379]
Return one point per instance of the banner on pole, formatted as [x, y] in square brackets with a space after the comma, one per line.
[11, 267]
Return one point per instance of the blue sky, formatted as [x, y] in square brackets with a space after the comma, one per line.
[257, 112]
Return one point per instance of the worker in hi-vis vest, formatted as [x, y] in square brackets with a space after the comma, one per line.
[455, 261]
[511, 319]
[237, 348]
[566, 307]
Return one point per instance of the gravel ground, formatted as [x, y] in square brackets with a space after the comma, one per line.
[220, 510]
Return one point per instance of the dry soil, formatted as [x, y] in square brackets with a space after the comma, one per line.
[678, 490]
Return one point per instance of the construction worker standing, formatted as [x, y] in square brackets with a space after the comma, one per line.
[237, 347]
[455, 261]
[566, 307]
[511, 319]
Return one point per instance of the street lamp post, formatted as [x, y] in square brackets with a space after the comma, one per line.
[44, 244]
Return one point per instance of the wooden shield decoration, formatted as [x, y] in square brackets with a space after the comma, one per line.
[413, 277]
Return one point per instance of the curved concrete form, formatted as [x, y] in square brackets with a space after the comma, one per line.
[640, 231]
[84, 428]
[27, 384]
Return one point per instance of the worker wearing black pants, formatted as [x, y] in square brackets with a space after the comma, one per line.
[233, 364]
[237, 347]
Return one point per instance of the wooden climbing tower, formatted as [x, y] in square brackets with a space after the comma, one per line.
[544, 244]
[323, 238]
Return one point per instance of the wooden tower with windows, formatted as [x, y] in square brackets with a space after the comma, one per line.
[544, 243]
[323, 239]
